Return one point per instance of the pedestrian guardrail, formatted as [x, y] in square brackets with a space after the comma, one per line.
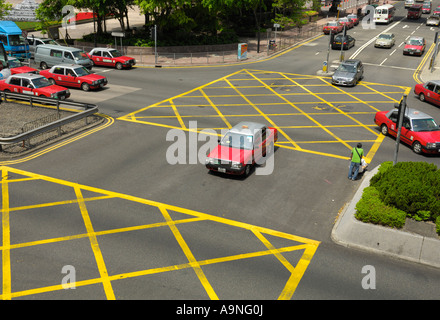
[84, 110]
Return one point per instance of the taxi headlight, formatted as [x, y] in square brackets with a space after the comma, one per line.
[209, 160]
[236, 165]
[431, 145]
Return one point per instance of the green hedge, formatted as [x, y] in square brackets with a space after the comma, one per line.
[407, 189]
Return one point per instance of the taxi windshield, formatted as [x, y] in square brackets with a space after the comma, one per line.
[115, 53]
[238, 141]
[40, 82]
[415, 42]
[81, 71]
[424, 125]
[332, 24]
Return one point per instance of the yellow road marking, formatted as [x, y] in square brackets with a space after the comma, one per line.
[6, 239]
[95, 246]
[416, 73]
[104, 278]
[192, 260]
[182, 124]
[216, 109]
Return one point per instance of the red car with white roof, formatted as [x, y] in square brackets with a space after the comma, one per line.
[353, 17]
[33, 84]
[17, 66]
[108, 57]
[415, 46]
[74, 75]
[334, 26]
[419, 130]
[428, 91]
[241, 147]
[347, 22]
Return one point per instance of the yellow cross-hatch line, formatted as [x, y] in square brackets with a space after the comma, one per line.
[309, 246]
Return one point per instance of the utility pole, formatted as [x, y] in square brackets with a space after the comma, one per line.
[401, 113]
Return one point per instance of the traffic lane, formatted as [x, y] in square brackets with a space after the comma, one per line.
[301, 196]
[338, 272]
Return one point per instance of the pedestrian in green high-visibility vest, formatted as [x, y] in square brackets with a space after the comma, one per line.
[356, 158]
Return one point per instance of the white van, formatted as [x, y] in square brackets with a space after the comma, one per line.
[408, 3]
[49, 55]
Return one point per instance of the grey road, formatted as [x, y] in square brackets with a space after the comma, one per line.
[134, 226]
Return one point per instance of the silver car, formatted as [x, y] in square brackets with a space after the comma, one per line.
[385, 40]
[348, 73]
[433, 21]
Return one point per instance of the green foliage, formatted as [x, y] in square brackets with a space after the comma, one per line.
[410, 187]
[407, 189]
[372, 210]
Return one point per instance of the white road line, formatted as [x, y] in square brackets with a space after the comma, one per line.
[393, 67]
[383, 61]
[401, 44]
[393, 52]
[356, 53]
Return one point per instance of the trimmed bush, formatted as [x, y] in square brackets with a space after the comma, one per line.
[371, 209]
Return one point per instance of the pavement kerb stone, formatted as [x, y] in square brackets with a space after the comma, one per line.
[350, 232]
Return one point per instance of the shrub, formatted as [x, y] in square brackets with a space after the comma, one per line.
[371, 209]
[437, 225]
[411, 187]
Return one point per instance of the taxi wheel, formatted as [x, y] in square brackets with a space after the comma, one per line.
[119, 66]
[247, 170]
[85, 86]
[422, 97]
[43, 65]
[51, 81]
[384, 129]
[417, 147]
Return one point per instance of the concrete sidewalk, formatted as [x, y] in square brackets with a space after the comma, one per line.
[350, 232]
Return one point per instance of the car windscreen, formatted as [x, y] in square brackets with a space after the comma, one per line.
[79, 55]
[424, 125]
[332, 24]
[347, 68]
[16, 40]
[238, 141]
[415, 42]
[81, 71]
[115, 53]
[40, 82]
[385, 36]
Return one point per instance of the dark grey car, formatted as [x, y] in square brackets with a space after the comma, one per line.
[348, 73]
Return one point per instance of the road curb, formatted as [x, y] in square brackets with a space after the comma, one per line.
[350, 232]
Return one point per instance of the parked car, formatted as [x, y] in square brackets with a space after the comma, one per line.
[415, 46]
[433, 20]
[428, 91]
[108, 57]
[33, 84]
[17, 66]
[334, 26]
[385, 40]
[348, 73]
[74, 75]
[419, 130]
[348, 40]
[241, 147]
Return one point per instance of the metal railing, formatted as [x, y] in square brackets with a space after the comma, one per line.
[88, 110]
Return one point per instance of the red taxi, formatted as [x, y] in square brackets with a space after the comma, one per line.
[437, 11]
[74, 75]
[428, 91]
[241, 147]
[353, 17]
[108, 57]
[348, 23]
[334, 26]
[415, 46]
[419, 130]
[17, 66]
[33, 84]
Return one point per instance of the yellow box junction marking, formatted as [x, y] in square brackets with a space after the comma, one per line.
[299, 97]
[19, 178]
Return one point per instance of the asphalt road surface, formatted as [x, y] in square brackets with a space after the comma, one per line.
[128, 224]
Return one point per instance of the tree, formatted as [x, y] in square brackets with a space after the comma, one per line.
[4, 8]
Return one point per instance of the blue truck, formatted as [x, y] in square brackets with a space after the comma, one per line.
[12, 38]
